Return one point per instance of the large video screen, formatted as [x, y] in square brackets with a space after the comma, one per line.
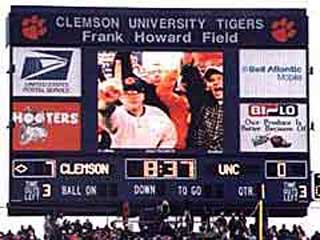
[151, 100]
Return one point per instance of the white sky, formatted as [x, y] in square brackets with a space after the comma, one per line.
[310, 223]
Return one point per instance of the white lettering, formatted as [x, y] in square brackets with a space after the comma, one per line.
[46, 117]
[79, 169]
[144, 189]
[91, 190]
[162, 38]
[88, 22]
[166, 23]
[229, 169]
[245, 191]
[70, 190]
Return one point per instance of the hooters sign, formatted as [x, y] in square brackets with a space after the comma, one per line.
[46, 126]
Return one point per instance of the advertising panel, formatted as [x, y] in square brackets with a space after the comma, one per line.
[46, 126]
[264, 72]
[273, 127]
[46, 71]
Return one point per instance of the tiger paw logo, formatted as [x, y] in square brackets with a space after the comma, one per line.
[33, 27]
[283, 30]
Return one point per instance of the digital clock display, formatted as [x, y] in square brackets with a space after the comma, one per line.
[167, 169]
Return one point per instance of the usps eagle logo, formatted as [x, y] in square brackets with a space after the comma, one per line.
[48, 65]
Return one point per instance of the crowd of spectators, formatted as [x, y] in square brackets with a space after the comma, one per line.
[235, 227]
[23, 234]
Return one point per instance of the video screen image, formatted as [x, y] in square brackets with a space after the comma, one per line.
[160, 100]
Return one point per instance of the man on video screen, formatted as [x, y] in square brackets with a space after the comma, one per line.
[202, 82]
[182, 89]
[208, 131]
[133, 124]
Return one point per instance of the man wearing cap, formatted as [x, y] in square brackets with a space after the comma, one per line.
[208, 131]
[195, 86]
[134, 124]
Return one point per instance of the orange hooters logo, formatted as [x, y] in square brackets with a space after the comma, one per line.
[46, 126]
[33, 27]
[282, 30]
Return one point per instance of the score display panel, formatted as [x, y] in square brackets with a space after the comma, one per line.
[197, 107]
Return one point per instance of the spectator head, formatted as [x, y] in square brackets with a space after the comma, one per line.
[154, 74]
[214, 83]
[30, 228]
[165, 208]
[133, 94]
[170, 78]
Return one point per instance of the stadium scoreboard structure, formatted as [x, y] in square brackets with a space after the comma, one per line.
[64, 158]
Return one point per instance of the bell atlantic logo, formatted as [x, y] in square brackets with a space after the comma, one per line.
[33, 27]
[48, 65]
[283, 30]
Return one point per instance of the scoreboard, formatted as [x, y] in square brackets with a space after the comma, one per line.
[196, 107]
[75, 185]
